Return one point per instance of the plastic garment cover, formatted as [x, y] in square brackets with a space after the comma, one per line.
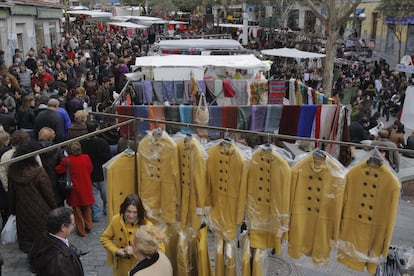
[268, 194]
[186, 263]
[203, 264]
[246, 265]
[226, 181]
[225, 258]
[259, 262]
[317, 188]
[170, 230]
[192, 160]
[119, 170]
[369, 214]
[158, 179]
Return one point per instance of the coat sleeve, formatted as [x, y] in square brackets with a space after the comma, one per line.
[45, 186]
[61, 167]
[61, 265]
[106, 239]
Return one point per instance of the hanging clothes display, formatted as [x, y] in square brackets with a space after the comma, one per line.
[216, 115]
[258, 117]
[141, 111]
[172, 113]
[156, 112]
[119, 169]
[186, 116]
[268, 193]
[192, 162]
[276, 91]
[186, 263]
[158, 179]
[127, 131]
[246, 254]
[242, 94]
[227, 183]
[243, 117]
[258, 92]
[203, 263]
[369, 214]
[273, 115]
[225, 261]
[289, 120]
[306, 120]
[317, 188]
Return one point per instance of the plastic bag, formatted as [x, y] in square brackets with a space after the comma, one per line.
[9, 233]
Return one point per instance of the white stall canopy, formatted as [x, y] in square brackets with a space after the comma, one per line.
[181, 67]
[128, 25]
[200, 44]
[291, 53]
[94, 14]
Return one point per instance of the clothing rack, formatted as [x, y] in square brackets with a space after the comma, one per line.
[269, 135]
[132, 119]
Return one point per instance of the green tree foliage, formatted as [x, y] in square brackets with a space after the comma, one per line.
[394, 12]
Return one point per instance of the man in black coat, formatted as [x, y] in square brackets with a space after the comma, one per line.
[98, 150]
[50, 118]
[358, 130]
[51, 254]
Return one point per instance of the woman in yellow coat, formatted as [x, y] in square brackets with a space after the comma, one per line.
[118, 237]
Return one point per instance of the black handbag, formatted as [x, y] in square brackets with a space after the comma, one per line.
[65, 183]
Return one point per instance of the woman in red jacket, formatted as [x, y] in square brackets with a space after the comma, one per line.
[81, 196]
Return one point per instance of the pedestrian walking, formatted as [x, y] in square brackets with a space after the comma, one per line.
[81, 196]
[98, 150]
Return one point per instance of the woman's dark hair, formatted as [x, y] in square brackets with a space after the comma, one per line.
[134, 200]
[26, 103]
[58, 217]
[19, 137]
[27, 162]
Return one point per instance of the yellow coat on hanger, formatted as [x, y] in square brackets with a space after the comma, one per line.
[268, 198]
[203, 263]
[120, 181]
[193, 166]
[317, 190]
[369, 215]
[227, 181]
[158, 185]
[246, 260]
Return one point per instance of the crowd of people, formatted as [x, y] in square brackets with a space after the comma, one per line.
[380, 93]
[45, 96]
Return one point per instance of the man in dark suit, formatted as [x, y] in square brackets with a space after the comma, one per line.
[51, 254]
